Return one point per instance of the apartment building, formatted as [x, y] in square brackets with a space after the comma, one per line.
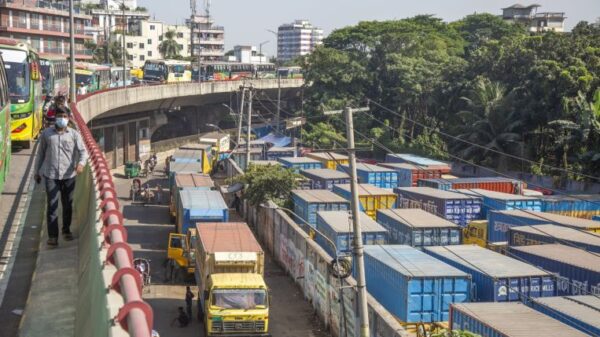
[208, 39]
[297, 39]
[537, 22]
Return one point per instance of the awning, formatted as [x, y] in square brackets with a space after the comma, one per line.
[232, 188]
[277, 140]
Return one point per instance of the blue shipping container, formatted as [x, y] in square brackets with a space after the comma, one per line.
[412, 159]
[596, 217]
[498, 201]
[337, 227]
[200, 206]
[496, 277]
[324, 179]
[578, 271]
[278, 152]
[300, 163]
[507, 320]
[373, 174]
[417, 228]
[579, 312]
[499, 222]
[412, 285]
[308, 202]
[541, 234]
[577, 205]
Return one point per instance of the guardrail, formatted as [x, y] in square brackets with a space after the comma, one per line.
[111, 284]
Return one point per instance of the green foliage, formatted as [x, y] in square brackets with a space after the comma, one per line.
[115, 52]
[267, 182]
[323, 136]
[455, 333]
[169, 48]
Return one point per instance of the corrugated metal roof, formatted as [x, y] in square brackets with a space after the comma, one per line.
[474, 180]
[319, 196]
[366, 189]
[298, 160]
[592, 301]
[326, 173]
[227, 237]
[409, 166]
[573, 197]
[564, 233]
[478, 192]
[368, 167]
[416, 159]
[514, 319]
[191, 167]
[566, 254]
[327, 155]
[193, 180]
[202, 199]
[281, 149]
[434, 192]
[412, 262]
[555, 218]
[487, 261]
[575, 306]
[418, 218]
[341, 221]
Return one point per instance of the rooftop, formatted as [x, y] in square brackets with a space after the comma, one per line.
[562, 220]
[325, 174]
[341, 221]
[564, 233]
[319, 196]
[365, 189]
[416, 217]
[434, 192]
[477, 192]
[565, 254]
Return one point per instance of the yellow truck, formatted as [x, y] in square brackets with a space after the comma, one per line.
[181, 255]
[233, 296]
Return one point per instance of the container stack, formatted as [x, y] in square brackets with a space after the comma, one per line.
[278, 152]
[583, 206]
[417, 160]
[496, 184]
[308, 202]
[371, 198]
[499, 201]
[300, 163]
[544, 234]
[373, 174]
[329, 160]
[417, 228]
[324, 179]
[579, 312]
[410, 174]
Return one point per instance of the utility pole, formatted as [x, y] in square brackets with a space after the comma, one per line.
[249, 127]
[241, 108]
[123, 51]
[73, 88]
[277, 118]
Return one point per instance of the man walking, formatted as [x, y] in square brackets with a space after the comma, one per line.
[61, 156]
[189, 297]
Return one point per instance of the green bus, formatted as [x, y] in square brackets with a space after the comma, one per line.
[5, 149]
[90, 77]
[22, 66]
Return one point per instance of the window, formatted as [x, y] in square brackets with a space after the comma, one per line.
[160, 38]
[149, 41]
[152, 27]
[130, 57]
[129, 45]
[141, 46]
[149, 53]
[180, 35]
[142, 58]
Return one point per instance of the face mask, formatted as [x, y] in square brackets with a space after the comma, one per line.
[62, 122]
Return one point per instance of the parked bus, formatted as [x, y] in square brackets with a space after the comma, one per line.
[22, 67]
[290, 72]
[232, 71]
[90, 77]
[5, 149]
[167, 71]
[116, 76]
[55, 74]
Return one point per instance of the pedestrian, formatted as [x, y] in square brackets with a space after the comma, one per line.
[189, 298]
[236, 202]
[182, 318]
[159, 193]
[61, 157]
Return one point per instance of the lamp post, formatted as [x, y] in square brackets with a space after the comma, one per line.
[72, 89]
[260, 54]
[123, 33]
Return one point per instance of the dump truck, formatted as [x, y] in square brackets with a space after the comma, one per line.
[233, 296]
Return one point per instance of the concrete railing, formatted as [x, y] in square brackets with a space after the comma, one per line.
[334, 301]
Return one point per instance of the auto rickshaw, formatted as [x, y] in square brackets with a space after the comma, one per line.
[132, 169]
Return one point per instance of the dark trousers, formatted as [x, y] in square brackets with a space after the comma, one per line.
[65, 189]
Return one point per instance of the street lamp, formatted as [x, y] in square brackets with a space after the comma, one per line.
[260, 54]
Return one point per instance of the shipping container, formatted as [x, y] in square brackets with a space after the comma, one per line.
[578, 271]
[329, 160]
[373, 174]
[580, 312]
[300, 163]
[337, 227]
[540, 234]
[409, 174]
[499, 201]
[417, 228]
[583, 206]
[182, 168]
[187, 156]
[200, 206]
[412, 285]
[496, 277]
[596, 218]
[417, 160]
[308, 202]
[496, 184]
[324, 179]
[500, 221]
[278, 152]
[239, 156]
[207, 155]
[507, 320]
[456, 207]
[220, 141]
[191, 181]
[371, 197]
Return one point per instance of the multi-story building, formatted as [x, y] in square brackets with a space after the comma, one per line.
[44, 25]
[248, 54]
[534, 20]
[208, 40]
[297, 39]
[108, 21]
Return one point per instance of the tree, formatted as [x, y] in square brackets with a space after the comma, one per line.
[169, 48]
[268, 182]
[322, 136]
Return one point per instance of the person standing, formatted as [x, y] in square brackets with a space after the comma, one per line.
[61, 155]
[189, 298]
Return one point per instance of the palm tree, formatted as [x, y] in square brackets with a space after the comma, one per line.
[169, 48]
[115, 56]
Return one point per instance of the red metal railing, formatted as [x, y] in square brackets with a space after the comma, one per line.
[135, 316]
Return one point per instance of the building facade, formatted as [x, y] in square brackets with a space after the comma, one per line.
[297, 39]
[536, 22]
[208, 40]
[248, 54]
[105, 22]
[45, 26]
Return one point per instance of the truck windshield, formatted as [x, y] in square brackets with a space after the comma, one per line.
[239, 298]
[17, 74]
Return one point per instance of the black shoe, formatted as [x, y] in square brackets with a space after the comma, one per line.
[68, 236]
[53, 242]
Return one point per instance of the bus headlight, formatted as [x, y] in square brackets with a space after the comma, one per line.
[21, 115]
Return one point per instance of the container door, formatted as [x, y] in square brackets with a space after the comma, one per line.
[177, 248]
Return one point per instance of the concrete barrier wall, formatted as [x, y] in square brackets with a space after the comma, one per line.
[334, 300]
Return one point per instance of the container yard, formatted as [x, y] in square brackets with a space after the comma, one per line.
[412, 285]
[541, 234]
[499, 222]
[373, 174]
[496, 184]
[308, 202]
[583, 206]
[324, 179]
[371, 197]
[329, 160]
[278, 152]
[417, 160]
[496, 277]
[499, 201]
[456, 207]
[188, 181]
[507, 320]
[337, 227]
[300, 163]
[418, 228]
[578, 271]
[409, 174]
[200, 206]
[580, 312]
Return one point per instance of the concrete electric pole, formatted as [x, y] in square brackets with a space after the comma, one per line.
[73, 87]
[248, 132]
[241, 108]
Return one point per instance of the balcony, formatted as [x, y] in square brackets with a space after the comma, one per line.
[53, 27]
[20, 24]
[212, 52]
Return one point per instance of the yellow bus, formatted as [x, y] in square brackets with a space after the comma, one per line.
[167, 71]
[22, 66]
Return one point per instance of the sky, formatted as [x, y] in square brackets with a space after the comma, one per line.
[246, 22]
